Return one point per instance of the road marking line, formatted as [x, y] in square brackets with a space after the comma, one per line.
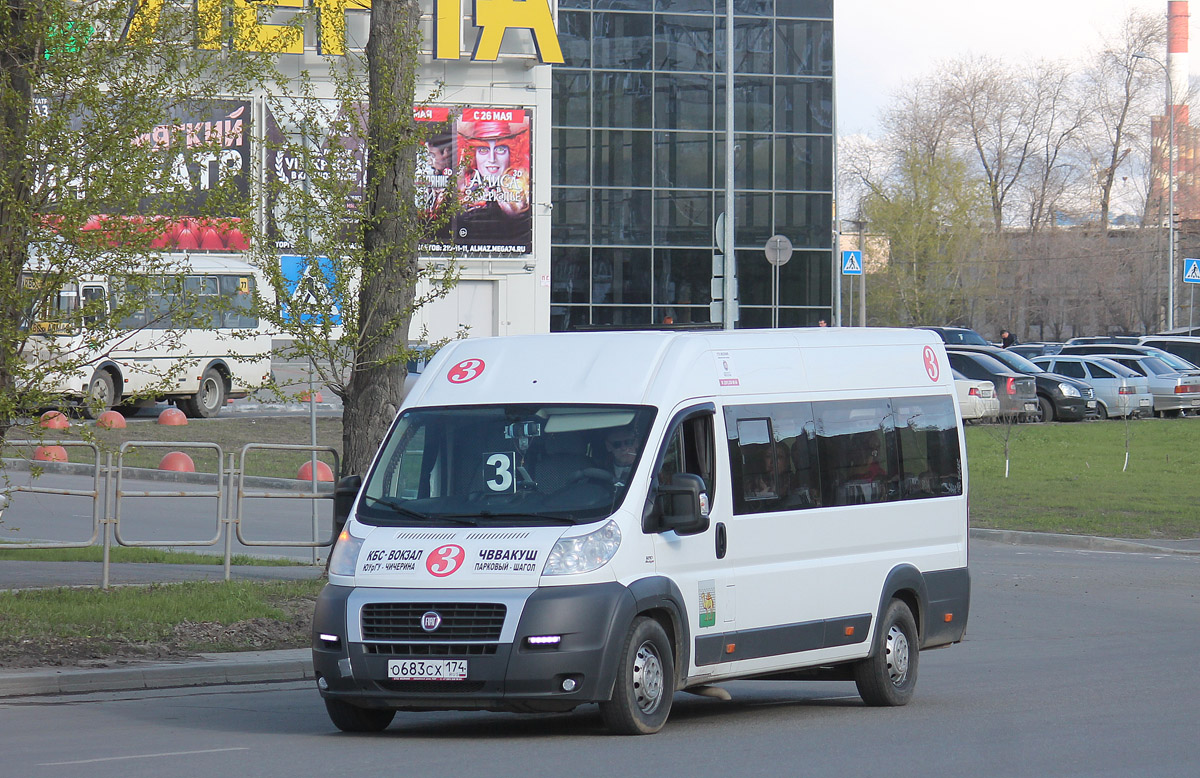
[142, 756]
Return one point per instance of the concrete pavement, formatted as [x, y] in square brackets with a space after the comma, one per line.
[296, 665]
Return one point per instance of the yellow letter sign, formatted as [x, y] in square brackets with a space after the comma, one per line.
[495, 17]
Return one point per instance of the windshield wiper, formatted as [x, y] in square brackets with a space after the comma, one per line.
[525, 515]
[399, 507]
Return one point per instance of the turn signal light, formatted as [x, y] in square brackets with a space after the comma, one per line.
[949, 617]
[730, 647]
[849, 632]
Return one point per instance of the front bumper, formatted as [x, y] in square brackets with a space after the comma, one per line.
[504, 674]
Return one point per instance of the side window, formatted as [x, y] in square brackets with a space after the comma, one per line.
[1072, 369]
[856, 443]
[927, 437]
[1100, 372]
[773, 457]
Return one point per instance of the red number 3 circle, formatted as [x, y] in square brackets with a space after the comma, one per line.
[467, 370]
[445, 560]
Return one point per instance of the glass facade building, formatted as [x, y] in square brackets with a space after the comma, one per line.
[639, 160]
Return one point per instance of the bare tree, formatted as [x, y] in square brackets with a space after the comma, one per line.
[1120, 90]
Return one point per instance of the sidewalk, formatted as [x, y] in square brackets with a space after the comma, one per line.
[296, 664]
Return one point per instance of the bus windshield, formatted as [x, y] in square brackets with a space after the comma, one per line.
[505, 464]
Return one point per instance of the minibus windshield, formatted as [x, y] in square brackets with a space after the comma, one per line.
[501, 465]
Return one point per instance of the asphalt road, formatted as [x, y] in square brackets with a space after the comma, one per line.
[1076, 663]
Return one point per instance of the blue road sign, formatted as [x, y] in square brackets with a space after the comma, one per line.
[1191, 271]
[852, 263]
[310, 287]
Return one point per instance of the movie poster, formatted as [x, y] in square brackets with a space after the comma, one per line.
[484, 154]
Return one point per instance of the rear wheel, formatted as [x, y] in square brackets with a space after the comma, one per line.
[645, 684]
[209, 399]
[351, 718]
[889, 676]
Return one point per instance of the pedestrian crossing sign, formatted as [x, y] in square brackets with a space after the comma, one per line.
[1191, 271]
[852, 263]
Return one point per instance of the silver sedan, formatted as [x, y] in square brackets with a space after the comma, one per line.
[1173, 392]
[1120, 391]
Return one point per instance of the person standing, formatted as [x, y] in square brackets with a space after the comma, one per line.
[1007, 339]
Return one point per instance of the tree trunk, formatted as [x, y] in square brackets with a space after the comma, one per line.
[388, 285]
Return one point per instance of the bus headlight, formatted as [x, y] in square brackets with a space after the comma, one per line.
[344, 558]
[584, 553]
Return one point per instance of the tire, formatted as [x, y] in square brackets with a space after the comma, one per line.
[888, 676]
[209, 398]
[101, 395]
[1046, 409]
[645, 685]
[351, 718]
[1101, 412]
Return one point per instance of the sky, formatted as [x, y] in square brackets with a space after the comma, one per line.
[881, 44]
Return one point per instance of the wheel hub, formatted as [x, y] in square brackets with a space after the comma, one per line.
[647, 678]
[896, 649]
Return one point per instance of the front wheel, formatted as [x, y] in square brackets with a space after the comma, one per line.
[1045, 409]
[645, 684]
[351, 718]
[101, 395]
[888, 676]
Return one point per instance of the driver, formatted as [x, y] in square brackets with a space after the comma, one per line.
[621, 445]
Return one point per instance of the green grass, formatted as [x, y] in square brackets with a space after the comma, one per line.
[231, 434]
[141, 614]
[135, 554]
[1067, 478]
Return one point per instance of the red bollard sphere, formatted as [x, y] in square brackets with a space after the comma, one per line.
[54, 420]
[172, 417]
[50, 454]
[178, 462]
[111, 420]
[324, 473]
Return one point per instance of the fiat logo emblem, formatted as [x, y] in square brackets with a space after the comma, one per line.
[430, 621]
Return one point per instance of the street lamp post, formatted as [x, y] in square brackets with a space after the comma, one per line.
[1170, 189]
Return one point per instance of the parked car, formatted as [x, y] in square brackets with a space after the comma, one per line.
[1120, 391]
[958, 335]
[1106, 349]
[1182, 347]
[1016, 392]
[1031, 350]
[977, 399]
[1129, 340]
[1059, 397]
[1173, 392]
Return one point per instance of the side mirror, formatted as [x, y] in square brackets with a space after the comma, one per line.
[344, 495]
[683, 505]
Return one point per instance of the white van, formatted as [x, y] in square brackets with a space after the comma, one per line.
[563, 519]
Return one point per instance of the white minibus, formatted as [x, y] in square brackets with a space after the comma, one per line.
[196, 342]
[610, 518]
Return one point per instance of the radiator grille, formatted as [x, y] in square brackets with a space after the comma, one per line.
[395, 622]
[430, 649]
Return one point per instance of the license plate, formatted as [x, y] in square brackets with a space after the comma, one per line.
[1145, 402]
[1031, 406]
[1195, 401]
[427, 670]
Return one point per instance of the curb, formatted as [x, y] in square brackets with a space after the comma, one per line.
[208, 670]
[1079, 542]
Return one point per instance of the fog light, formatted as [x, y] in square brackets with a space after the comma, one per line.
[569, 684]
[543, 640]
[322, 684]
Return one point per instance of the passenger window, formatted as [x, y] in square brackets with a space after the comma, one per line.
[856, 442]
[1099, 372]
[927, 436]
[772, 451]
